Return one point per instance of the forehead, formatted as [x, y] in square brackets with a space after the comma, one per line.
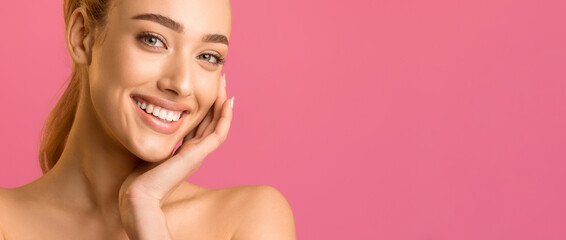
[197, 16]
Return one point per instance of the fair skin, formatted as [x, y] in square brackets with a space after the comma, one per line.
[116, 178]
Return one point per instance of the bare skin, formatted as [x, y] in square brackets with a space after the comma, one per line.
[116, 178]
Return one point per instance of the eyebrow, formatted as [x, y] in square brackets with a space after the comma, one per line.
[178, 27]
[163, 20]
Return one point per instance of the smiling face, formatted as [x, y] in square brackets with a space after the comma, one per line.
[165, 53]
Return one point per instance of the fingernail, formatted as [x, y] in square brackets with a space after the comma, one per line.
[232, 102]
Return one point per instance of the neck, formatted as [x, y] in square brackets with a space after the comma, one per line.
[91, 169]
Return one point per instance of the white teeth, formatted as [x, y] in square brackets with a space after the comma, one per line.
[170, 116]
[149, 109]
[162, 114]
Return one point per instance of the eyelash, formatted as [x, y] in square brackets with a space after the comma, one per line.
[219, 60]
[148, 35]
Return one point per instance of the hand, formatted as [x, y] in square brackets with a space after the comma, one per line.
[145, 189]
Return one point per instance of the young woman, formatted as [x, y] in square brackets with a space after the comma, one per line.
[146, 74]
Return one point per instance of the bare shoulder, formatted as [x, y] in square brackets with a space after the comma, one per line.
[5, 198]
[8, 201]
[264, 213]
[242, 212]
[16, 209]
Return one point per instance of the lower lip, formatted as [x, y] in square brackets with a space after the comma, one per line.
[156, 124]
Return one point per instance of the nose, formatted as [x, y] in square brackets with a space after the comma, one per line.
[178, 77]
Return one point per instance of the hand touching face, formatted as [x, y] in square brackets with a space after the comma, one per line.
[147, 187]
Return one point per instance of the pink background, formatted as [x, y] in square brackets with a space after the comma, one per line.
[376, 119]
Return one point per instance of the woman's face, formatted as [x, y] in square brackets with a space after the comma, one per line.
[164, 53]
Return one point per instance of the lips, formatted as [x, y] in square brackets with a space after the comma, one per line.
[163, 103]
[152, 121]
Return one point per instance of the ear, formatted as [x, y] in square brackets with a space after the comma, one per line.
[80, 37]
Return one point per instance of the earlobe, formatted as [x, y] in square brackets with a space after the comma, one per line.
[79, 37]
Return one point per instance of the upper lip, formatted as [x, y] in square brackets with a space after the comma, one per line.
[163, 103]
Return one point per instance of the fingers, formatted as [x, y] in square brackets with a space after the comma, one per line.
[218, 107]
[205, 122]
[159, 179]
[221, 96]
[223, 126]
[212, 113]
[168, 174]
[190, 136]
[211, 141]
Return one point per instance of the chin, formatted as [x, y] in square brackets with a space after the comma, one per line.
[154, 158]
[154, 152]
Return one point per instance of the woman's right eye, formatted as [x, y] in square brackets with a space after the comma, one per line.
[152, 40]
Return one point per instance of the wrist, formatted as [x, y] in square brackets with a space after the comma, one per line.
[144, 220]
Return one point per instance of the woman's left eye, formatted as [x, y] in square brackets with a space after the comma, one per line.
[212, 58]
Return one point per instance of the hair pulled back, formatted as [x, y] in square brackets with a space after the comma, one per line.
[58, 124]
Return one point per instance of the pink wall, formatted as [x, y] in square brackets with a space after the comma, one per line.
[376, 119]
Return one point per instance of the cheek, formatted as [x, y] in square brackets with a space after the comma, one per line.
[117, 68]
[121, 67]
[206, 90]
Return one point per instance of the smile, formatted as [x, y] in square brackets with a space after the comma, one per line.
[159, 114]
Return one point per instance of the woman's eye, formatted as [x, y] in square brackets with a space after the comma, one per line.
[152, 40]
[211, 58]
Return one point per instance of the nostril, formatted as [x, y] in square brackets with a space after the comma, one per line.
[173, 91]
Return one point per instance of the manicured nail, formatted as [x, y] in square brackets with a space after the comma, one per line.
[232, 102]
